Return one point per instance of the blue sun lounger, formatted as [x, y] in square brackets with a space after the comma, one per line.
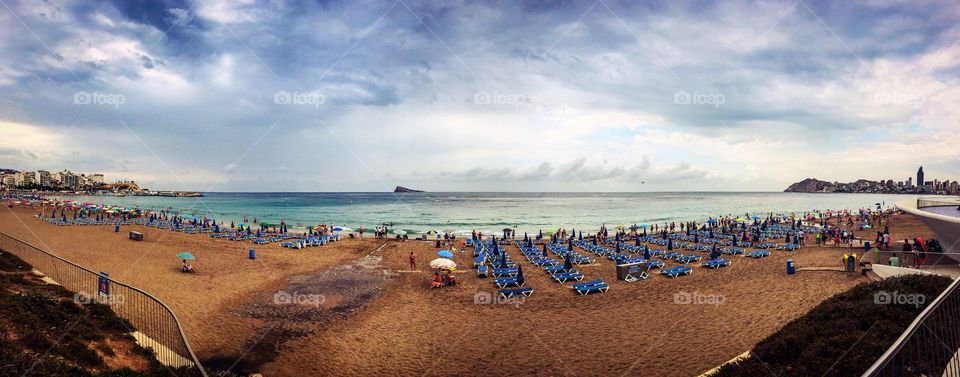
[758, 254]
[716, 263]
[689, 258]
[498, 272]
[591, 286]
[670, 255]
[653, 263]
[732, 251]
[482, 271]
[508, 293]
[557, 268]
[507, 282]
[539, 262]
[677, 271]
[564, 276]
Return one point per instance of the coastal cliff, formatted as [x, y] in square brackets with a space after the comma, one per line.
[404, 189]
[812, 185]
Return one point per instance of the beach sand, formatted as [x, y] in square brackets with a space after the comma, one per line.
[375, 318]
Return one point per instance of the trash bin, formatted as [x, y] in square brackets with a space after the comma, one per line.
[253, 254]
[866, 246]
[116, 229]
[791, 269]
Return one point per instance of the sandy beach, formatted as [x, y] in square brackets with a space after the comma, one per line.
[377, 318]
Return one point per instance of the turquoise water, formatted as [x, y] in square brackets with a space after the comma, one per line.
[461, 211]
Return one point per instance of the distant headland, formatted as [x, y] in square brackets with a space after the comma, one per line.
[404, 189]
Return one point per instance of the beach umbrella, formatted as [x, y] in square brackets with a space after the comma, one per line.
[567, 264]
[669, 244]
[580, 238]
[185, 255]
[712, 221]
[637, 242]
[519, 273]
[570, 245]
[443, 263]
[646, 253]
[445, 254]
[618, 248]
[544, 250]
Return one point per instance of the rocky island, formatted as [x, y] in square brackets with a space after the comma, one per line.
[404, 189]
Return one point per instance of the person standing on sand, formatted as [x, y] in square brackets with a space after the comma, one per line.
[361, 232]
[413, 262]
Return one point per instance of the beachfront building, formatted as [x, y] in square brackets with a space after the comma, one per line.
[23, 178]
[42, 178]
[65, 179]
[9, 180]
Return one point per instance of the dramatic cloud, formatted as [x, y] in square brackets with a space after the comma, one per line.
[509, 95]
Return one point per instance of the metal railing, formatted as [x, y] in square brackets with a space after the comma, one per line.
[930, 346]
[155, 325]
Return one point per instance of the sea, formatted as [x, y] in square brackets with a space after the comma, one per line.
[462, 212]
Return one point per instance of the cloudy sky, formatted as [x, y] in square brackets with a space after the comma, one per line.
[481, 96]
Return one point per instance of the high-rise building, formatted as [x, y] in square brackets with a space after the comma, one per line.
[909, 181]
[66, 179]
[42, 178]
[23, 178]
[920, 181]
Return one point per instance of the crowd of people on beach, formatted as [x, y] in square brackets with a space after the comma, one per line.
[838, 231]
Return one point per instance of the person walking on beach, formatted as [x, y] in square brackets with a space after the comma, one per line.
[413, 262]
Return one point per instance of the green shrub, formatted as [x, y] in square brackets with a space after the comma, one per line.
[842, 336]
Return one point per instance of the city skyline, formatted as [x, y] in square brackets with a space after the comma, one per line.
[578, 96]
[13, 179]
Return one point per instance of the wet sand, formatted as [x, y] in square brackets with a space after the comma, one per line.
[375, 318]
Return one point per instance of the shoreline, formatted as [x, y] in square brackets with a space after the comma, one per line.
[202, 208]
[396, 330]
